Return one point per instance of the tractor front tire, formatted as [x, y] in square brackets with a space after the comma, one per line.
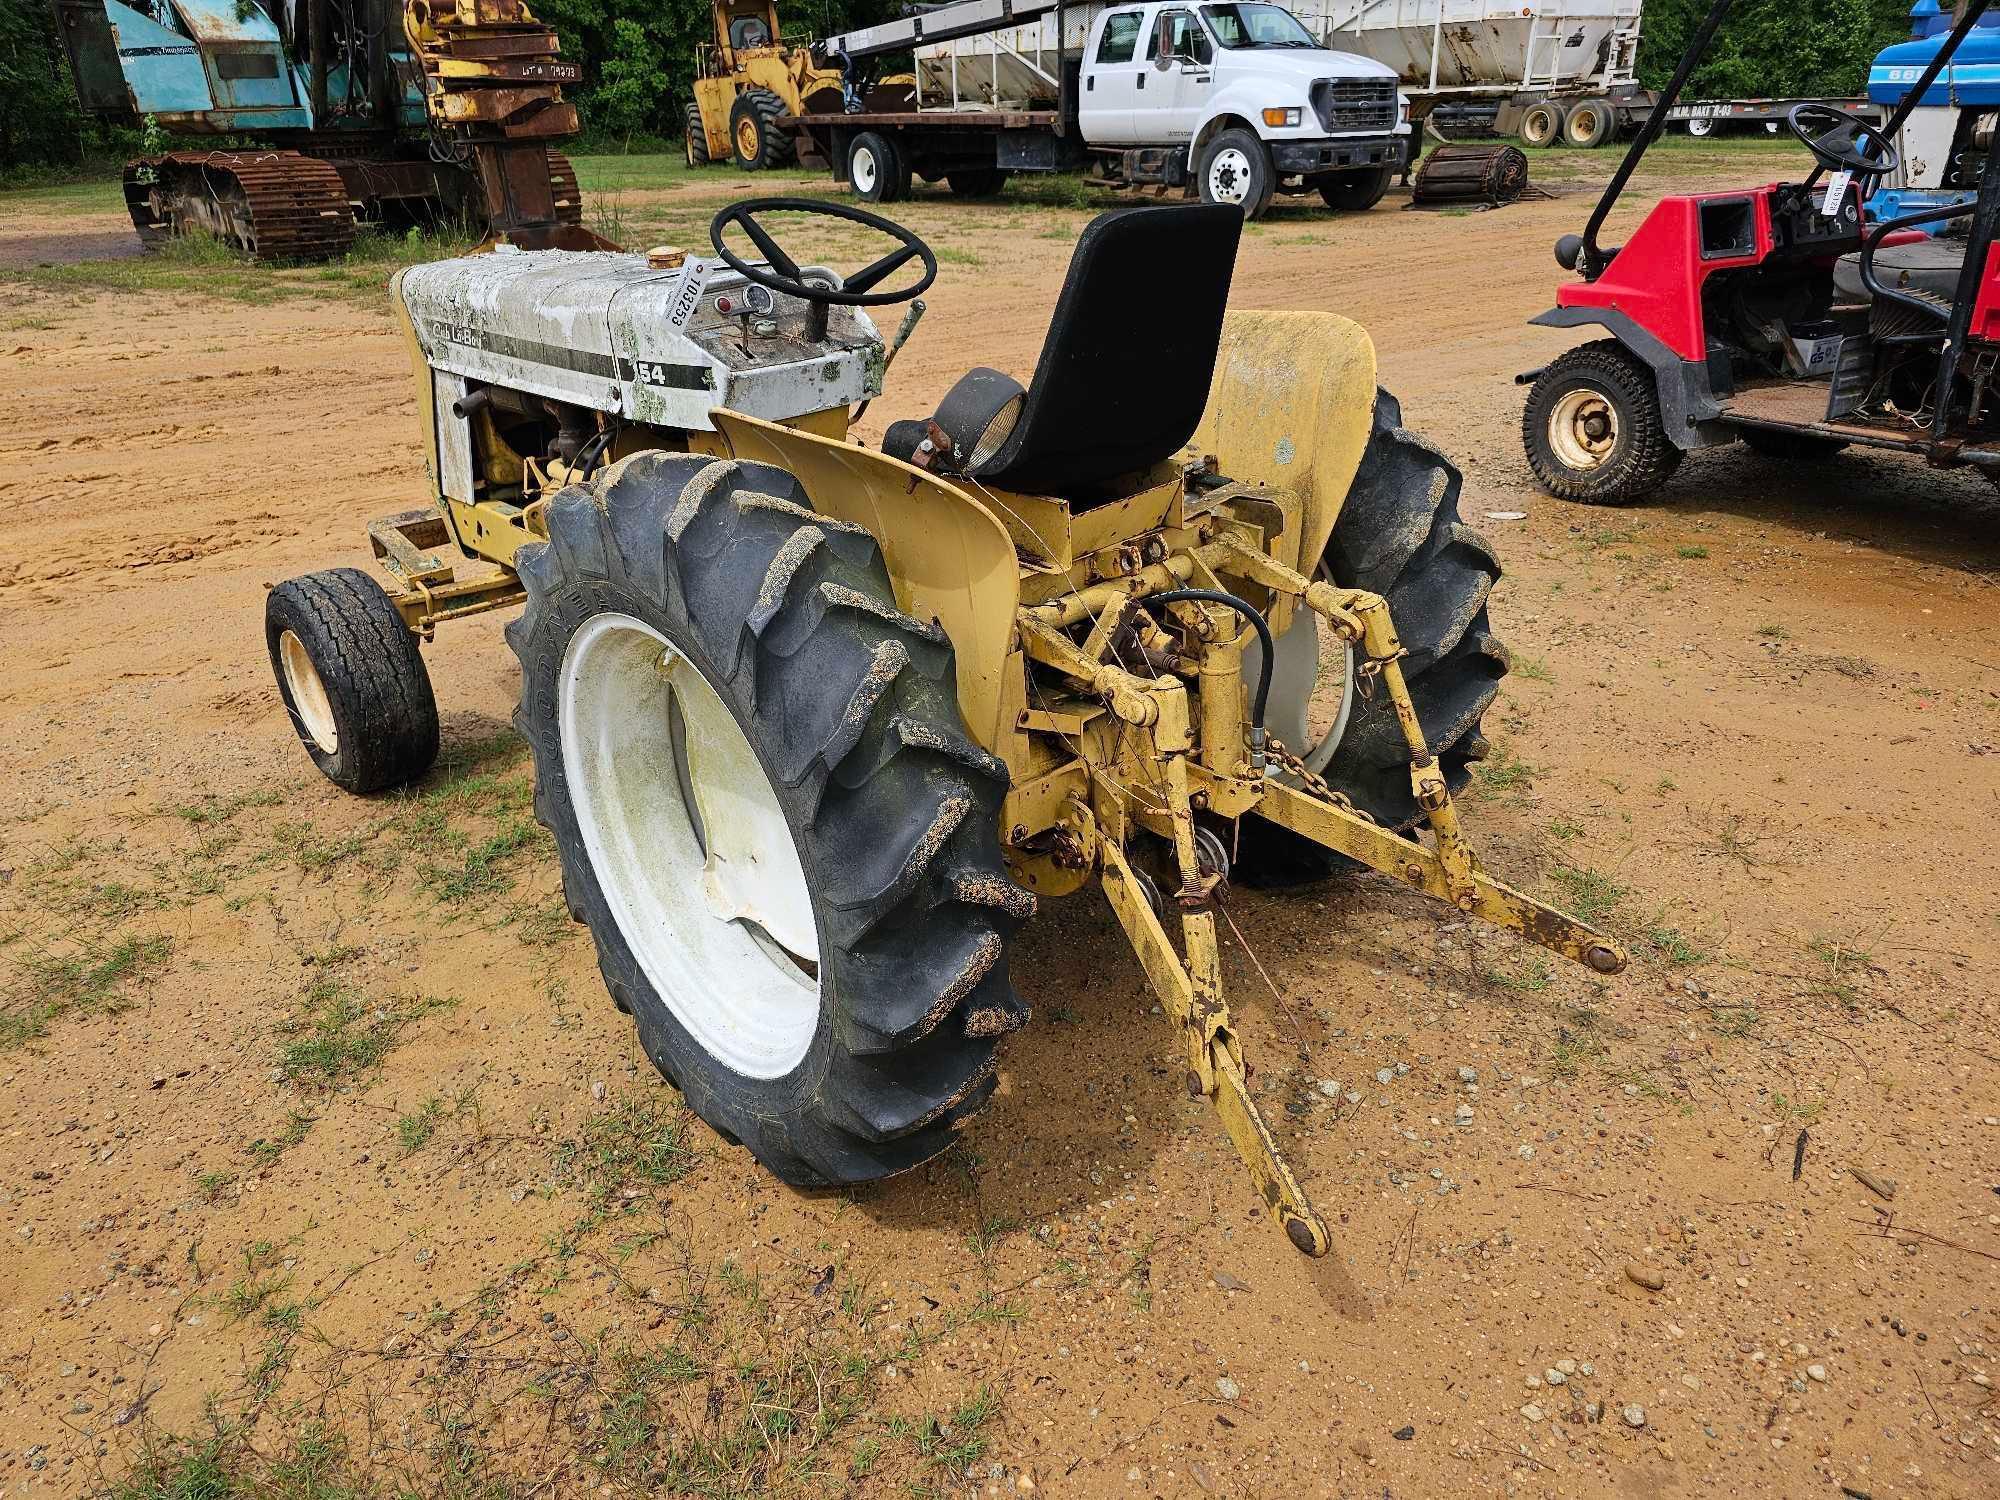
[1399, 535]
[1593, 430]
[769, 813]
[1356, 192]
[352, 679]
[757, 142]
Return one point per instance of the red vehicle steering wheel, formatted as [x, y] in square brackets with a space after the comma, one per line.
[1836, 137]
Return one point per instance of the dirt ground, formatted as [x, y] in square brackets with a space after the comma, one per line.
[327, 1146]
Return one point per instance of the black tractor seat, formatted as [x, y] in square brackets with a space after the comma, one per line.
[1124, 372]
[1927, 265]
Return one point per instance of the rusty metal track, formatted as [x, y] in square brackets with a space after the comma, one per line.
[272, 205]
[1471, 174]
[563, 188]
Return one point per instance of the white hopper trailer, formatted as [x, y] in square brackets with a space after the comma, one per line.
[1547, 70]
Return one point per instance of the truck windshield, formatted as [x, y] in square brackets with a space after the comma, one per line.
[1238, 27]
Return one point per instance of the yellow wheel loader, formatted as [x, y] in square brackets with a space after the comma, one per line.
[746, 80]
[817, 726]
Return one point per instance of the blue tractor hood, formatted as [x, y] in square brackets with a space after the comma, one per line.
[1971, 80]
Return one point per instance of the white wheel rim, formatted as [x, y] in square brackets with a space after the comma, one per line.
[1699, 127]
[1229, 177]
[309, 699]
[689, 846]
[1583, 429]
[864, 171]
[1312, 686]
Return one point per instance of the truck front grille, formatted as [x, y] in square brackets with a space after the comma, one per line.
[1355, 104]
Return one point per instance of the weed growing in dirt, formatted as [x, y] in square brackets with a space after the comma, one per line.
[1670, 945]
[210, 811]
[1774, 632]
[641, 1138]
[342, 1034]
[1590, 894]
[266, 1150]
[1691, 553]
[1535, 974]
[1504, 774]
[90, 979]
[1533, 668]
[1738, 836]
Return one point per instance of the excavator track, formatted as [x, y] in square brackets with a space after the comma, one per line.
[563, 188]
[271, 205]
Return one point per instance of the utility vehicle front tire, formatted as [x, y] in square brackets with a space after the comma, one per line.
[757, 142]
[1399, 535]
[1356, 192]
[1593, 430]
[769, 813]
[352, 679]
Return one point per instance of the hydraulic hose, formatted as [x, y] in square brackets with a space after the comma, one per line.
[1258, 623]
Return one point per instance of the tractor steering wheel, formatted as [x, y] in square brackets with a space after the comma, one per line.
[1836, 137]
[784, 274]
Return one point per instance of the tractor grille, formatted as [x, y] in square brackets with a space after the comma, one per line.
[1355, 104]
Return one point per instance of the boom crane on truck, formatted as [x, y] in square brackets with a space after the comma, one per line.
[389, 110]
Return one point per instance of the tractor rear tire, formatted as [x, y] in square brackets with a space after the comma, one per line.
[1791, 447]
[681, 606]
[1356, 192]
[352, 679]
[1399, 535]
[1593, 430]
[1542, 125]
[759, 145]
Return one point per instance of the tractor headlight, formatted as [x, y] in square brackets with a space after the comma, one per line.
[1281, 119]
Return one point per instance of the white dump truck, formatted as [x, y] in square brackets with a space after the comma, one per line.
[1234, 103]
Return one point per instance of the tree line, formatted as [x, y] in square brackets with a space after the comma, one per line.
[638, 59]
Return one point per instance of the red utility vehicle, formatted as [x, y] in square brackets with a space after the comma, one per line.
[1781, 315]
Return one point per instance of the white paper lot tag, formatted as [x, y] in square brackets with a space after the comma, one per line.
[1836, 193]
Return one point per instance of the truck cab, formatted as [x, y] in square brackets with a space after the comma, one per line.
[1238, 101]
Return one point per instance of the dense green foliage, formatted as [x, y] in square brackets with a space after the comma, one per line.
[639, 59]
[1777, 48]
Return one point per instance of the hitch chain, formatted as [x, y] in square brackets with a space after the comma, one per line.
[1311, 779]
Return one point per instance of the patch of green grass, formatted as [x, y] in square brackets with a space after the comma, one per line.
[1672, 946]
[479, 871]
[1733, 1020]
[1535, 974]
[1562, 828]
[1533, 668]
[415, 1129]
[313, 1463]
[956, 1442]
[1588, 893]
[93, 978]
[1774, 632]
[209, 810]
[1691, 553]
[1504, 774]
[640, 1139]
[266, 1150]
[341, 1033]
[952, 255]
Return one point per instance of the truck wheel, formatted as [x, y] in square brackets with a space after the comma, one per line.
[1589, 122]
[352, 679]
[1398, 535]
[1355, 192]
[1235, 168]
[981, 183]
[1592, 427]
[753, 131]
[769, 813]
[876, 169]
[697, 136]
[1542, 125]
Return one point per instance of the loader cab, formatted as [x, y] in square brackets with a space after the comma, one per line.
[744, 26]
[1795, 316]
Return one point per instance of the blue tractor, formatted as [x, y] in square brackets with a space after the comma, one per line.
[393, 111]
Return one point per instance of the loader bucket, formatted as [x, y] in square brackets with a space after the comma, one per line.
[1292, 405]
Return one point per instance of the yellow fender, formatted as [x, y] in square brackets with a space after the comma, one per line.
[1292, 405]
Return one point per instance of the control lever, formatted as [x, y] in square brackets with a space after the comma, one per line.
[903, 331]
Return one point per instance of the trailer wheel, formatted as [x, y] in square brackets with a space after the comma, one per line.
[769, 813]
[982, 182]
[1542, 125]
[1589, 122]
[352, 679]
[1701, 128]
[1356, 192]
[1235, 168]
[754, 134]
[1592, 427]
[876, 169]
[697, 136]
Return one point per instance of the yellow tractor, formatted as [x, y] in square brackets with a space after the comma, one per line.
[816, 727]
[745, 81]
